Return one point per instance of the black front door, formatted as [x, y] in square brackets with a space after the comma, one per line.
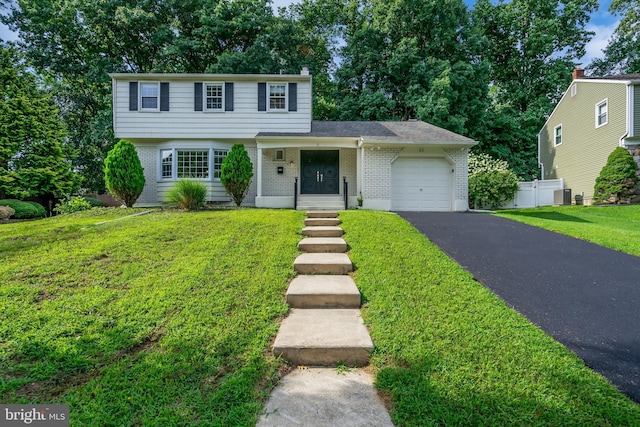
[320, 174]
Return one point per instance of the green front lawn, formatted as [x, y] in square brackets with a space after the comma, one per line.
[616, 227]
[162, 319]
[167, 319]
[449, 352]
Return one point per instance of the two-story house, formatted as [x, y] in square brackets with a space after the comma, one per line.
[183, 126]
[594, 116]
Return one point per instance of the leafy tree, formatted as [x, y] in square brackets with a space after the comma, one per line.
[123, 173]
[33, 162]
[622, 54]
[531, 48]
[236, 172]
[617, 178]
[491, 181]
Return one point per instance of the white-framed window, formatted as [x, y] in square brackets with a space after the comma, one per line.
[218, 158]
[602, 113]
[277, 94]
[166, 164]
[557, 135]
[192, 164]
[574, 89]
[213, 96]
[149, 96]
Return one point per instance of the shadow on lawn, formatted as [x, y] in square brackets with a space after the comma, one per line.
[551, 216]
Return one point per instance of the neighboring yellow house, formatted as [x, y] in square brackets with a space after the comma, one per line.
[594, 116]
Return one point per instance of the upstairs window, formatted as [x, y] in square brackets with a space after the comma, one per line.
[214, 96]
[149, 96]
[557, 135]
[602, 113]
[277, 97]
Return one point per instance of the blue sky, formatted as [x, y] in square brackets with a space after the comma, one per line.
[602, 23]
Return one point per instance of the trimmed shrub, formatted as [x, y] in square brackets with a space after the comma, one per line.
[236, 172]
[25, 210]
[491, 181]
[123, 173]
[617, 178]
[189, 195]
[96, 203]
[6, 212]
[72, 204]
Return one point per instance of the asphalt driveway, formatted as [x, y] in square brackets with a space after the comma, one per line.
[584, 296]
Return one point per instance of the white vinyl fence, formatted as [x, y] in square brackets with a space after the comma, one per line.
[535, 193]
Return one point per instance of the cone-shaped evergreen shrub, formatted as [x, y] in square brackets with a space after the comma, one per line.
[617, 178]
[123, 173]
[236, 172]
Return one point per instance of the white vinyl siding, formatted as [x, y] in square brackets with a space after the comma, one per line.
[149, 96]
[182, 122]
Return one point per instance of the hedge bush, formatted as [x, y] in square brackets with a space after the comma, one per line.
[617, 178]
[72, 204]
[123, 173]
[189, 195]
[25, 210]
[491, 182]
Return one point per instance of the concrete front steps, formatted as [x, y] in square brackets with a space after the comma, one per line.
[324, 327]
[320, 202]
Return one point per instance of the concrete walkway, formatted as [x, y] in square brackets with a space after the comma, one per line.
[585, 296]
[324, 328]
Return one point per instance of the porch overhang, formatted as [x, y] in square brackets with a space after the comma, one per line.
[267, 142]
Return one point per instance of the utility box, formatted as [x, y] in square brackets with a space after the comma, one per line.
[562, 197]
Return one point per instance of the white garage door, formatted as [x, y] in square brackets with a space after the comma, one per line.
[421, 185]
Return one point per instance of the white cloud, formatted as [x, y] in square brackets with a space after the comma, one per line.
[599, 41]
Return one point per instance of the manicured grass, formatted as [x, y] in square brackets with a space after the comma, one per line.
[616, 227]
[160, 319]
[449, 352]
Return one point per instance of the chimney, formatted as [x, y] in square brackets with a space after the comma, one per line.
[578, 73]
[304, 71]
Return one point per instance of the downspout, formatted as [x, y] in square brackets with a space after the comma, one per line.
[540, 164]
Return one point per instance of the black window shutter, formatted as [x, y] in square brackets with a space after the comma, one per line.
[293, 96]
[197, 97]
[133, 96]
[262, 97]
[164, 96]
[228, 96]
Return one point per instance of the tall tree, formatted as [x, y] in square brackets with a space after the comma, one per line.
[411, 59]
[32, 159]
[531, 48]
[622, 54]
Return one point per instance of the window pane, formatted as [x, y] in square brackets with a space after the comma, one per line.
[193, 164]
[277, 97]
[149, 102]
[214, 96]
[167, 163]
[218, 158]
[149, 89]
